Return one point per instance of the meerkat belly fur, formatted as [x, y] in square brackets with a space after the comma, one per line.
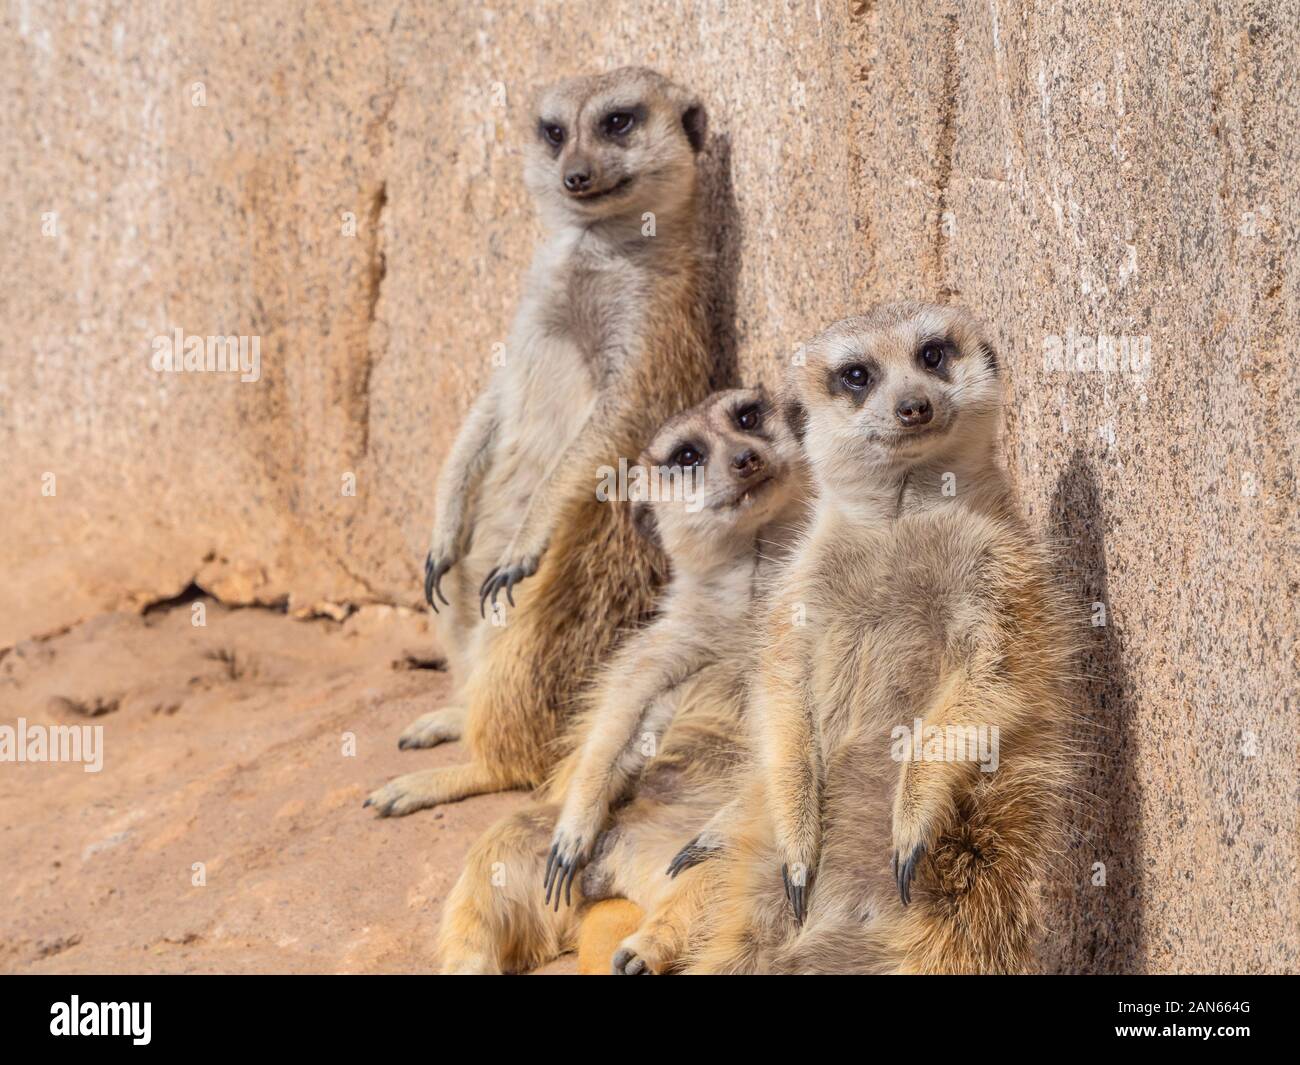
[868, 847]
[534, 578]
[660, 737]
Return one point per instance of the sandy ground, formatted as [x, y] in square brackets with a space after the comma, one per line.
[225, 831]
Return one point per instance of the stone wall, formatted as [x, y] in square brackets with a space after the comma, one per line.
[342, 182]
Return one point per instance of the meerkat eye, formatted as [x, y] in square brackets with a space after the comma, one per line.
[686, 456]
[749, 418]
[932, 356]
[554, 134]
[619, 122]
[855, 376]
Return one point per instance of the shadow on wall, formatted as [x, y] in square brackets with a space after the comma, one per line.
[724, 236]
[1096, 927]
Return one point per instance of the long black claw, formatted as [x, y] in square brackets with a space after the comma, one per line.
[428, 581]
[688, 856]
[904, 872]
[550, 869]
[796, 894]
[437, 582]
[484, 591]
[510, 583]
[568, 884]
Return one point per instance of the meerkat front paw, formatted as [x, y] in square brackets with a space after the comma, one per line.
[568, 855]
[700, 849]
[916, 812]
[799, 849]
[504, 576]
[797, 876]
[571, 848]
[441, 557]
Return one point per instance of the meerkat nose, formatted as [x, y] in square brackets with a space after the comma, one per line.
[577, 180]
[747, 463]
[914, 411]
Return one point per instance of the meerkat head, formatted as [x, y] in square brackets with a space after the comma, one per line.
[739, 464]
[904, 384]
[613, 145]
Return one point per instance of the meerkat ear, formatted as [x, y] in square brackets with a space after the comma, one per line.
[643, 520]
[796, 417]
[694, 124]
[991, 357]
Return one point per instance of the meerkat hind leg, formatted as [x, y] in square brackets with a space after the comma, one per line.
[433, 728]
[432, 787]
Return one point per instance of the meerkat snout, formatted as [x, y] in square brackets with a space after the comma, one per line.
[578, 178]
[748, 463]
[914, 411]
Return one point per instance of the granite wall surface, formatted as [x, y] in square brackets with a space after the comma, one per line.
[1112, 185]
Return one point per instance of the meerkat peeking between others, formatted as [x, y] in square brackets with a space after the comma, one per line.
[911, 703]
[534, 578]
[660, 741]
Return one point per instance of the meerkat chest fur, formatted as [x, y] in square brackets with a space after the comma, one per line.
[924, 590]
[582, 320]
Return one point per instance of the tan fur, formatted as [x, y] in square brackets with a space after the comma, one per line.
[604, 927]
[609, 341]
[918, 604]
[661, 735]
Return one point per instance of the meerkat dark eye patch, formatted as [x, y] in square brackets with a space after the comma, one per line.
[693, 125]
[551, 132]
[618, 122]
[853, 379]
[935, 355]
[796, 417]
[687, 455]
[749, 417]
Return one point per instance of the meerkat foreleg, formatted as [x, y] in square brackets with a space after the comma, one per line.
[524, 553]
[626, 737]
[926, 796]
[790, 749]
[464, 465]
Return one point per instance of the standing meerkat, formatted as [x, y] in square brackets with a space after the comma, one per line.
[661, 734]
[928, 604]
[609, 340]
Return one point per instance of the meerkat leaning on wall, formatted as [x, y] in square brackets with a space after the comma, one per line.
[661, 736]
[609, 340]
[928, 608]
